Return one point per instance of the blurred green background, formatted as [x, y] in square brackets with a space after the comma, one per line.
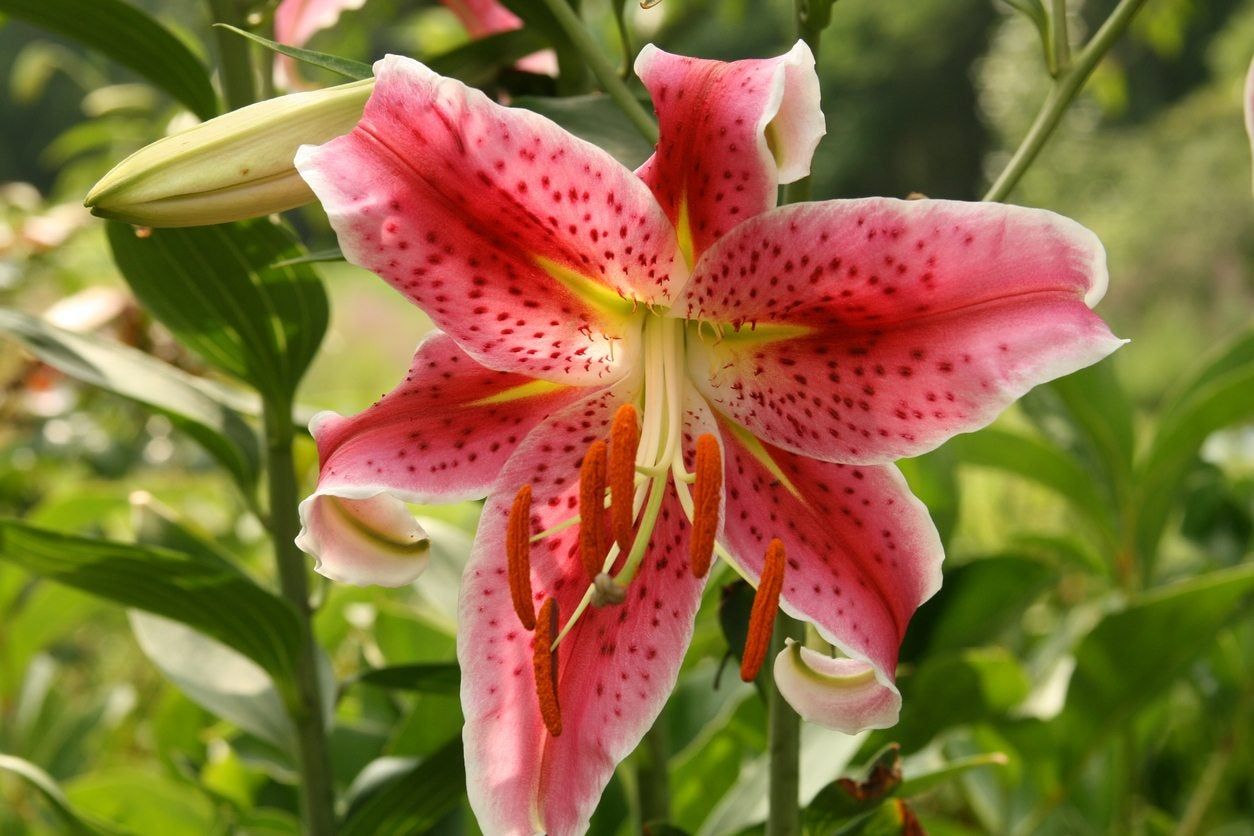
[1088, 531]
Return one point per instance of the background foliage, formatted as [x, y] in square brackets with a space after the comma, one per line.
[1088, 667]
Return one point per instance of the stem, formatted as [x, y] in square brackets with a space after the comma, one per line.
[1064, 89]
[783, 735]
[1059, 45]
[317, 787]
[602, 69]
[652, 777]
[235, 57]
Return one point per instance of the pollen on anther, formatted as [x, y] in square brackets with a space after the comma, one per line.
[518, 552]
[544, 664]
[592, 547]
[762, 616]
[706, 490]
[624, 442]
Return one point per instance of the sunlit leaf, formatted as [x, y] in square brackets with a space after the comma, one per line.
[188, 402]
[346, 67]
[209, 595]
[130, 37]
[74, 821]
[216, 288]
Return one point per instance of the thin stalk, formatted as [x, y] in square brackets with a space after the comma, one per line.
[317, 787]
[1059, 45]
[624, 37]
[783, 735]
[235, 57]
[601, 67]
[1064, 89]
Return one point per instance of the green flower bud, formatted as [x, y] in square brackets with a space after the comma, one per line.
[235, 166]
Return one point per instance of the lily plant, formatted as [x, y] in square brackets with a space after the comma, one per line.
[647, 371]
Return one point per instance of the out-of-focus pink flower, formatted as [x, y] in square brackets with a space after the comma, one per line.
[296, 21]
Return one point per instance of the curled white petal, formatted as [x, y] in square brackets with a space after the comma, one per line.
[362, 535]
[840, 694]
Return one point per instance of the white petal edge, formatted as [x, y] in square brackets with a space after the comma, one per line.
[846, 695]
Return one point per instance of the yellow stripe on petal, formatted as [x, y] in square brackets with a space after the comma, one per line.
[530, 389]
[683, 232]
[592, 292]
[751, 443]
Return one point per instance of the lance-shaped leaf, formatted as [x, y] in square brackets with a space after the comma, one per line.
[192, 406]
[74, 822]
[130, 37]
[193, 588]
[216, 288]
[412, 797]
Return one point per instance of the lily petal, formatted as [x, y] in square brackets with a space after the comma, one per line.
[730, 134]
[870, 330]
[295, 22]
[528, 246]
[442, 435]
[616, 667]
[863, 553]
[841, 694]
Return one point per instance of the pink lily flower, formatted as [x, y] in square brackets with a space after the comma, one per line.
[296, 21]
[635, 367]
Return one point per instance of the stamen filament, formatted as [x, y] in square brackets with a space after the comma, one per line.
[621, 473]
[544, 665]
[707, 491]
[762, 616]
[592, 508]
[518, 552]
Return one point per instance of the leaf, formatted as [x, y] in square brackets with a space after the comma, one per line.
[1034, 11]
[1097, 407]
[217, 678]
[216, 289]
[346, 67]
[846, 798]
[1219, 396]
[145, 801]
[130, 37]
[191, 406]
[430, 678]
[192, 588]
[597, 119]
[1133, 655]
[913, 785]
[332, 254]
[412, 798]
[476, 61]
[952, 689]
[43, 783]
[1041, 463]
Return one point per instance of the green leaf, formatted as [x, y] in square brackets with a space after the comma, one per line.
[597, 119]
[43, 783]
[412, 798]
[192, 588]
[430, 678]
[145, 801]
[1217, 397]
[1034, 11]
[346, 67]
[1098, 408]
[130, 37]
[190, 404]
[216, 288]
[845, 798]
[319, 257]
[913, 784]
[952, 689]
[1041, 463]
[1133, 655]
[478, 60]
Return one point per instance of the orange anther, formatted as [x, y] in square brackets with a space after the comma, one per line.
[706, 492]
[518, 551]
[624, 441]
[544, 663]
[592, 546]
[762, 616]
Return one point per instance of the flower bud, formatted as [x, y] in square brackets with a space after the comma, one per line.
[235, 166]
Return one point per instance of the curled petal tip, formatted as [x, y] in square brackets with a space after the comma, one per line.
[847, 695]
[364, 539]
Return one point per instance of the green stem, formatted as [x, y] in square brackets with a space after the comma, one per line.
[1059, 45]
[652, 775]
[601, 67]
[317, 787]
[235, 58]
[1064, 89]
[783, 735]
